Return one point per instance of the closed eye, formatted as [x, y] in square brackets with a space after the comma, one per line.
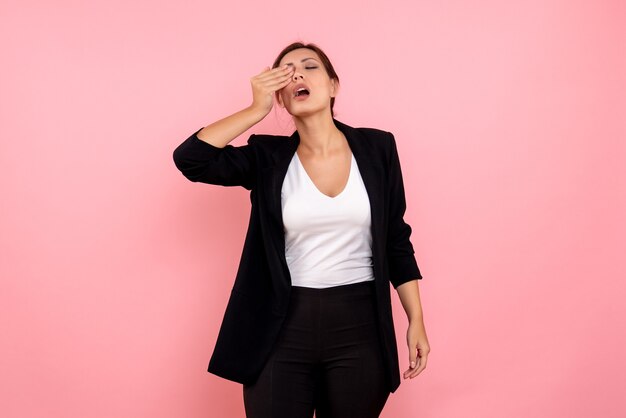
[310, 68]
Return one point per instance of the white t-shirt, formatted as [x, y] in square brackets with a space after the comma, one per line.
[328, 240]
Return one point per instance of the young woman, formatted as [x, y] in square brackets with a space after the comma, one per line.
[308, 326]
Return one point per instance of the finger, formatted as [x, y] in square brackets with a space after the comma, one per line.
[417, 369]
[421, 366]
[277, 85]
[274, 72]
[412, 360]
[408, 372]
[274, 83]
[412, 354]
[278, 79]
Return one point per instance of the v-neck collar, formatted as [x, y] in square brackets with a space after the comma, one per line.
[310, 180]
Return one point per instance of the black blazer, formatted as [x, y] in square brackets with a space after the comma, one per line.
[260, 294]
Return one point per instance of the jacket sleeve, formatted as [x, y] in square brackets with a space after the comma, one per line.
[400, 253]
[202, 162]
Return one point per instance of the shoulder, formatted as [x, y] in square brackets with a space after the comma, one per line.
[266, 138]
[266, 141]
[373, 132]
[265, 145]
[375, 135]
[379, 141]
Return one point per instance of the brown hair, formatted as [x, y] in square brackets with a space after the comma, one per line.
[325, 61]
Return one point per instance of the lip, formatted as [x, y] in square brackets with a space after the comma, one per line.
[297, 86]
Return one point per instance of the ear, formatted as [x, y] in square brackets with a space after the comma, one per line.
[334, 87]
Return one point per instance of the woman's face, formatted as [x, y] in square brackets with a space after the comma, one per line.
[309, 71]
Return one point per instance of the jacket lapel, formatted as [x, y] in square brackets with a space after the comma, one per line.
[370, 168]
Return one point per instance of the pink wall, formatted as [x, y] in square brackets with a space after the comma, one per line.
[510, 120]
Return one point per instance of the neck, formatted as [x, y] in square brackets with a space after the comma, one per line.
[318, 134]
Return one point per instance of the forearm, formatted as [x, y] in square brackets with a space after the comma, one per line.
[223, 131]
[410, 297]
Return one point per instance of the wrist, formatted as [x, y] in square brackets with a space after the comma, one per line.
[417, 319]
[257, 113]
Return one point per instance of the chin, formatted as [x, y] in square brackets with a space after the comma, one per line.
[304, 110]
[303, 113]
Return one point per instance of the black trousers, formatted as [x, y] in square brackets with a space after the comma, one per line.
[327, 358]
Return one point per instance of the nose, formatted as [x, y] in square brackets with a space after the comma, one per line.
[296, 75]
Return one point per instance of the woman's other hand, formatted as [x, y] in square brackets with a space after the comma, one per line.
[418, 348]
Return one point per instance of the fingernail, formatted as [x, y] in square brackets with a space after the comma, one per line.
[412, 364]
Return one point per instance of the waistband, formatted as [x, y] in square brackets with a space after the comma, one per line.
[359, 288]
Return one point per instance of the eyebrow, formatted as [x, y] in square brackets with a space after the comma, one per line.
[302, 60]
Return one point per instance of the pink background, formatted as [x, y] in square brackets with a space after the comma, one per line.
[510, 122]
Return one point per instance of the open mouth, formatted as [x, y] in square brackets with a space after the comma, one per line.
[302, 92]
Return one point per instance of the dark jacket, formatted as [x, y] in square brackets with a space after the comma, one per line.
[260, 294]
